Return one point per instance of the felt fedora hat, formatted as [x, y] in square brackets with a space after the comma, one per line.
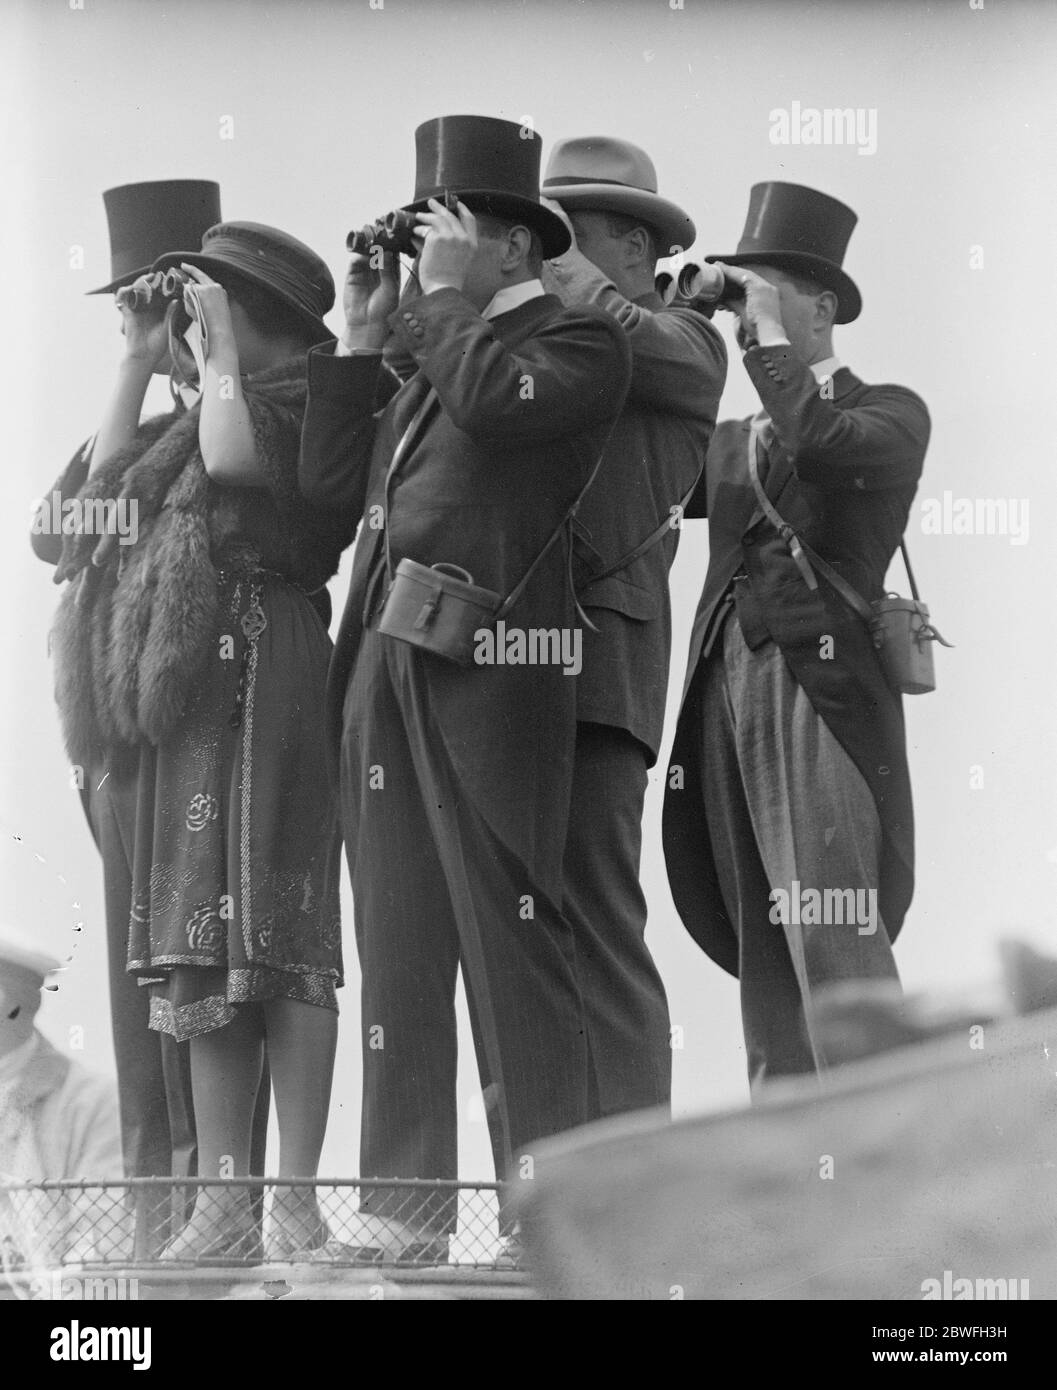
[145, 219]
[803, 231]
[493, 166]
[599, 174]
[21, 951]
[269, 258]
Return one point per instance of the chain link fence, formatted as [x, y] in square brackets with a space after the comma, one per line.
[251, 1221]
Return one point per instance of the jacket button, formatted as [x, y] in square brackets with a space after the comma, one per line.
[409, 317]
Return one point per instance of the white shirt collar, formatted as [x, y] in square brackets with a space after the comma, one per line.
[509, 298]
[825, 368]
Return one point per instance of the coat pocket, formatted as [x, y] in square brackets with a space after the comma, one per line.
[617, 594]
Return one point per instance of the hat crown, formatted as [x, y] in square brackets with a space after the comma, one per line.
[600, 159]
[791, 218]
[482, 153]
[267, 254]
[145, 219]
[493, 166]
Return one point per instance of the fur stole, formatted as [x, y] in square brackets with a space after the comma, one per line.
[130, 637]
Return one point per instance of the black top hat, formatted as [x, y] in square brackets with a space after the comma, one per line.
[145, 218]
[493, 166]
[803, 231]
[270, 258]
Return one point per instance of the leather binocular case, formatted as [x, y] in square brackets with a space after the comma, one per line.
[438, 608]
[903, 636]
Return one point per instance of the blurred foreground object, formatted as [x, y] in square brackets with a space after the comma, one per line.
[891, 1178]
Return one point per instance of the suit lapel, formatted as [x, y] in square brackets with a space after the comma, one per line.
[415, 405]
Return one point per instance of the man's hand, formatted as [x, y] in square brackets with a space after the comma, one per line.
[761, 310]
[146, 335]
[449, 245]
[369, 297]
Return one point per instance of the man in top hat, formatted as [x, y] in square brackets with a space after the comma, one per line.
[627, 534]
[456, 780]
[157, 1120]
[57, 1120]
[144, 220]
[789, 789]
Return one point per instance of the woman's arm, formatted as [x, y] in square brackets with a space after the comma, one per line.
[225, 429]
[146, 348]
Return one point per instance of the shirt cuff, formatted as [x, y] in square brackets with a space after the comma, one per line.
[773, 340]
[340, 350]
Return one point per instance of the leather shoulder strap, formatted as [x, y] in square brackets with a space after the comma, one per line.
[806, 558]
[657, 534]
[403, 445]
[559, 530]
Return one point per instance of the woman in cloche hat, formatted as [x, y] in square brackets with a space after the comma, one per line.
[190, 666]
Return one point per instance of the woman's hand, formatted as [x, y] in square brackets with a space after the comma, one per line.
[207, 301]
[146, 334]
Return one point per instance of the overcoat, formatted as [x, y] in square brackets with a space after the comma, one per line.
[844, 468]
[678, 365]
[524, 403]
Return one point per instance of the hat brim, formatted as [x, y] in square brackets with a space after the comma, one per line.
[34, 962]
[675, 227]
[218, 265]
[828, 275]
[121, 281]
[549, 227]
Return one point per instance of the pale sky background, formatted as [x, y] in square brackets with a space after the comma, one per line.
[323, 100]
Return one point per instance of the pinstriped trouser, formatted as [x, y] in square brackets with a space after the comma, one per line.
[787, 810]
[435, 889]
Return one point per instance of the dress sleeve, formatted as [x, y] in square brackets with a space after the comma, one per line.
[44, 536]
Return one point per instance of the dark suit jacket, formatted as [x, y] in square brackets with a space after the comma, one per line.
[678, 366]
[843, 473]
[525, 402]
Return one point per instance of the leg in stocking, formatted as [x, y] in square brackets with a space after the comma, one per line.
[301, 1044]
[225, 1077]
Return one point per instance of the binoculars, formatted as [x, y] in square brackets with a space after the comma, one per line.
[395, 232]
[160, 284]
[705, 283]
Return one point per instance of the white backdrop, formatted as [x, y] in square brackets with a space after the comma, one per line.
[953, 255]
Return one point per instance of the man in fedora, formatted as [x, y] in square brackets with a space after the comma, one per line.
[456, 780]
[788, 828]
[57, 1119]
[627, 534]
